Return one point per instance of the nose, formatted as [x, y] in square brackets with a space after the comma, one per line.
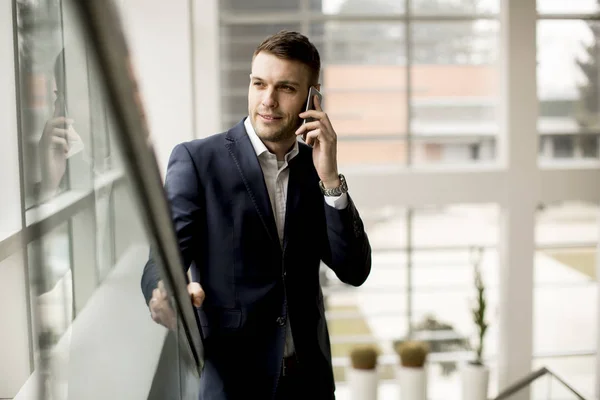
[269, 99]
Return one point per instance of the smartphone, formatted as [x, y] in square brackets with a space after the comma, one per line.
[310, 105]
[310, 102]
[60, 105]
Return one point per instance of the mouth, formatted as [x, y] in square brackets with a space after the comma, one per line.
[269, 118]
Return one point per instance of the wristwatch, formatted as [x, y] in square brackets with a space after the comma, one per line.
[337, 191]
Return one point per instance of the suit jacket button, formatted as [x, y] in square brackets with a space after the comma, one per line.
[280, 321]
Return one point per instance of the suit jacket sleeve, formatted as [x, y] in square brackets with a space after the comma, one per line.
[183, 194]
[346, 247]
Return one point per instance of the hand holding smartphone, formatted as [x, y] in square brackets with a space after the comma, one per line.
[74, 143]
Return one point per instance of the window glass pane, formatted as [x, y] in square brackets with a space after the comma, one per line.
[566, 287]
[360, 6]
[364, 89]
[463, 7]
[423, 272]
[376, 311]
[567, 7]
[363, 43]
[578, 371]
[568, 92]
[454, 87]
[360, 152]
[448, 244]
[245, 6]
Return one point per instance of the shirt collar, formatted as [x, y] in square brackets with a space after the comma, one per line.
[259, 146]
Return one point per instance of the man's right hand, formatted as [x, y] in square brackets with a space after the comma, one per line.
[161, 310]
[197, 293]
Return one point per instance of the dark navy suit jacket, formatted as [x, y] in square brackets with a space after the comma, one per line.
[226, 231]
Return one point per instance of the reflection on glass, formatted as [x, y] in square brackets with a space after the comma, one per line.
[63, 117]
[43, 100]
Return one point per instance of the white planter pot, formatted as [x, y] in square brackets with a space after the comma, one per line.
[474, 381]
[412, 383]
[363, 384]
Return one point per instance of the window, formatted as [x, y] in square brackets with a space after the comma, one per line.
[404, 92]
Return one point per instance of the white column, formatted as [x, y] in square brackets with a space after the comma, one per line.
[207, 66]
[598, 319]
[10, 201]
[15, 357]
[518, 150]
[159, 35]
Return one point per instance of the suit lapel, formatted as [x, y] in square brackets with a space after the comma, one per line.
[243, 154]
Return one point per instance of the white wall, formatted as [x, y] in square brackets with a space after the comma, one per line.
[14, 336]
[159, 37]
[10, 201]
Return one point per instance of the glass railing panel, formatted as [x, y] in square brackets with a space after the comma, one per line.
[542, 384]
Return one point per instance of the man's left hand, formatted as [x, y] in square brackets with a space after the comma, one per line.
[322, 137]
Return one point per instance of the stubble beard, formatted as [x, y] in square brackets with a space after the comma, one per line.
[284, 134]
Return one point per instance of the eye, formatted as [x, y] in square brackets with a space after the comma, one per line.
[288, 88]
[258, 84]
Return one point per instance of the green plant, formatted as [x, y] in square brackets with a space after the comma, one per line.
[413, 354]
[363, 358]
[479, 316]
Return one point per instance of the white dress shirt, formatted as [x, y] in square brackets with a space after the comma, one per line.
[277, 176]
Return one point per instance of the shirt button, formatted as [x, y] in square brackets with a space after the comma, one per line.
[280, 321]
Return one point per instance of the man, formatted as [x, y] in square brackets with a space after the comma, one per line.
[255, 211]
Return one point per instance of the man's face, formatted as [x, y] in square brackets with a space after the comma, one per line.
[277, 94]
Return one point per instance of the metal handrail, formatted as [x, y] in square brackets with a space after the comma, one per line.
[100, 20]
[529, 379]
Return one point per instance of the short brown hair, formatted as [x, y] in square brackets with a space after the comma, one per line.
[294, 46]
